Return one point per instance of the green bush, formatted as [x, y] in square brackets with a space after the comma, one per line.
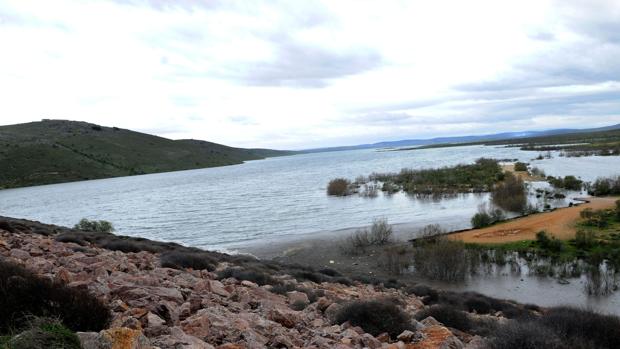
[375, 317]
[339, 187]
[548, 243]
[568, 182]
[520, 166]
[95, 226]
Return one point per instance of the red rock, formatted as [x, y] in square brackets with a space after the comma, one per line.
[285, 318]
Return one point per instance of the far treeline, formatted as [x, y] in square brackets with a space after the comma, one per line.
[603, 143]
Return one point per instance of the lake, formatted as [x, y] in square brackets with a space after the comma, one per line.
[270, 200]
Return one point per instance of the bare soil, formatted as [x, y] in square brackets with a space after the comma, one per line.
[560, 223]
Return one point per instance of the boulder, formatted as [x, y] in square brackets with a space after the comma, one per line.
[114, 338]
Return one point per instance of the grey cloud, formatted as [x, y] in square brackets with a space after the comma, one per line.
[304, 65]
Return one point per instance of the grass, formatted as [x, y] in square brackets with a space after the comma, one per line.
[42, 333]
[56, 151]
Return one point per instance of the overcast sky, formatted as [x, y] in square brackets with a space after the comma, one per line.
[299, 74]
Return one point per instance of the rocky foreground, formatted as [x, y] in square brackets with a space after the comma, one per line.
[155, 307]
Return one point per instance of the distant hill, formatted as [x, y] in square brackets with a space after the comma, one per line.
[462, 139]
[55, 151]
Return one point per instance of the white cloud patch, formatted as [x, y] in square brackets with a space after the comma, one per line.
[290, 74]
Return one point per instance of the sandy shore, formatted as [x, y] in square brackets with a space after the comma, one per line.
[560, 223]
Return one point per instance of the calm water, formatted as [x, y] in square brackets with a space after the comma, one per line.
[268, 200]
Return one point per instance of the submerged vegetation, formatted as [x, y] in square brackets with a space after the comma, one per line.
[480, 176]
[510, 194]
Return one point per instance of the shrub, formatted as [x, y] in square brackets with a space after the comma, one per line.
[478, 304]
[282, 289]
[520, 166]
[24, 294]
[548, 243]
[605, 186]
[182, 260]
[375, 317]
[428, 295]
[481, 220]
[568, 182]
[380, 234]
[510, 194]
[96, 226]
[445, 260]
[447, 315]
[255, 276]
[584, 239]
[524, 335]
[583, 326]
[44, 333]
[329, 272]
[338, 187]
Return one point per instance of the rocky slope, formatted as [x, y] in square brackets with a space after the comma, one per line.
[155, 307]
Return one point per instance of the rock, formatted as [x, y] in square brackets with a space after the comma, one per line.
[197, 325]
[407, 336]
[370, 341]
[383, 337]
[154, 320]
[437, 337]
[476, 342]
[114, 338]
[249, 284]
[430, 321]
[20, 254]
[297, 297]
[218, 288]
[332, 310]
[284, 318]
[178, 339]
[323, 303]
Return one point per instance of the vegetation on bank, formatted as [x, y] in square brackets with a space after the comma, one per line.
[605, 186]
[477, 177]
[56, 151]
[40, 313]
[568, 182]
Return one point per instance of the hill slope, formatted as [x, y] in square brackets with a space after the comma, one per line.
[55, 151]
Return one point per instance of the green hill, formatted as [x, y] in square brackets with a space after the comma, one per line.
[55, 151]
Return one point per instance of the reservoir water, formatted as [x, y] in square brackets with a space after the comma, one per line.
[269, 200]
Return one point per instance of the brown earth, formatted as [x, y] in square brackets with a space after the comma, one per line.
[560, 223]
[524, 175]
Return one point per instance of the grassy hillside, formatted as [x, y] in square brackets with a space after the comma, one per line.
[55, 151]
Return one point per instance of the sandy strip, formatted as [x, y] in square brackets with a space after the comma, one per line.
[560, 223]
[524, 175]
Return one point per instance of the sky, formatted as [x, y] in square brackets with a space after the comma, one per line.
[306, 74]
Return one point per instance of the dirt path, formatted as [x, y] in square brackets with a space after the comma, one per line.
[524, 175]
[560, 223]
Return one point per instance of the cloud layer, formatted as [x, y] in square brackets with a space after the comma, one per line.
[289, 74]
